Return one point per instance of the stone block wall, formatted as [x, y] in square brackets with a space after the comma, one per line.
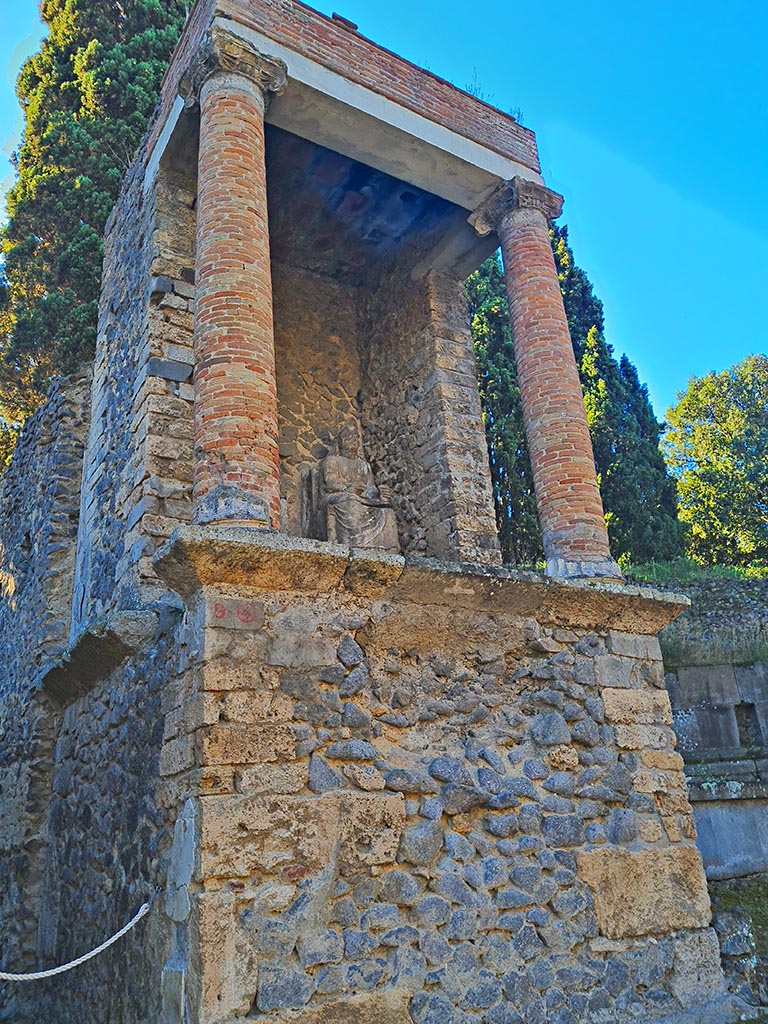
[422, 420]
[39, 507]
[721, 720]
[414, 803]
[137, 471]
[106, 843]
[317, 336]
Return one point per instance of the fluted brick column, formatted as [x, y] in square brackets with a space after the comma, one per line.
[564, 476]
[236, 462]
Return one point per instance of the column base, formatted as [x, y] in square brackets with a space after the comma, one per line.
[562, 568]
[232, 506]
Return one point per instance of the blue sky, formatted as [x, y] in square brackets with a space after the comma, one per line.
[652, 120]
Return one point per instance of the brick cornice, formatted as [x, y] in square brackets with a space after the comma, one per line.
[222, 52]
[517, 194]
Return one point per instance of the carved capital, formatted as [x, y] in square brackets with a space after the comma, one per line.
[221, 51]
[517, 194]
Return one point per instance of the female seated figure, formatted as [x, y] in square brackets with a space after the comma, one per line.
[357, 513]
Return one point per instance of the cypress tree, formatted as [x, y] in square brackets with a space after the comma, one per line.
[86, 96]
[516, 516]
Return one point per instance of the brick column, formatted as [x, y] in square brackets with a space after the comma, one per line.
[236, 462]
[564, 477]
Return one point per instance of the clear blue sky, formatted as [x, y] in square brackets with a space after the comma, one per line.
[652, 120]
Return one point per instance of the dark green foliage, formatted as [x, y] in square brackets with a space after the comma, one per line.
[717, 447]
[638, 494]
[87, 96]
[516, 515]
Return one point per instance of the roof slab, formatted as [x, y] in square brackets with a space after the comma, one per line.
[364, 103]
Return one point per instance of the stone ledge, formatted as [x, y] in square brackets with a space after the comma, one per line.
[197, 556]
[97, 652]
[745, 779]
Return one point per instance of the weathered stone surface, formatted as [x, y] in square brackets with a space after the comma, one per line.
[550, 729]
[389, 1007]
[649, 892]
[637, 707]
[322, 778]
[698, 976]
[421, 844]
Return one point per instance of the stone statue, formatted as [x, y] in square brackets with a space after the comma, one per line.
[342, 503]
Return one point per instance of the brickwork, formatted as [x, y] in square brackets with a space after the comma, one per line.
[356, 58]
[236, 462]
[421, 417]
[568, 499]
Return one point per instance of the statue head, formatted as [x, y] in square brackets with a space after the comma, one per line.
[348, 441]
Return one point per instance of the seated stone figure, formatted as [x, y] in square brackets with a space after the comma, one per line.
[342, 503]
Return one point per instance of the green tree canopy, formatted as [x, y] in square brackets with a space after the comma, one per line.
[638, 494]
[511, 475]
[717, 447]
[86, 96]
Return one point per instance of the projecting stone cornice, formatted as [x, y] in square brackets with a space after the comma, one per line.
[517, 194]
[223, 52]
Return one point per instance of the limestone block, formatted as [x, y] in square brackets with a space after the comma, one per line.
[177, 755]
[648, 707]
[221, 674]
[648, 892]
[664, 760]
[370, 828]
[636, 737]
[222, 612]
[243, 835]
[295, 643]
[273, 778]
[228, 966]
[236, 646]
[251, 743]
[633, 645]
[711, 684]
[181, 864]
[697, 975]
[389, 1007]
[249, 706]
[612, 670]
[173, 993]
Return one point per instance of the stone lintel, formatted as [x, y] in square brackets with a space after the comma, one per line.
[97, 652]
[197, 556]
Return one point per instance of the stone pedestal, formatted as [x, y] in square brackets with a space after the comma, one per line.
[413, 791]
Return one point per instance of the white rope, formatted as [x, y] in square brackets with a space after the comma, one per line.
[38, 975]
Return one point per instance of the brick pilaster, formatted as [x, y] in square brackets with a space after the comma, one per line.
[567, 494]
[236, 462]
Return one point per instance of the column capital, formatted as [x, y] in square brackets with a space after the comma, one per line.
[223, 52]
[517, 194]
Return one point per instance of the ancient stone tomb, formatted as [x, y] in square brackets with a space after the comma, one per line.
[374, 774]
